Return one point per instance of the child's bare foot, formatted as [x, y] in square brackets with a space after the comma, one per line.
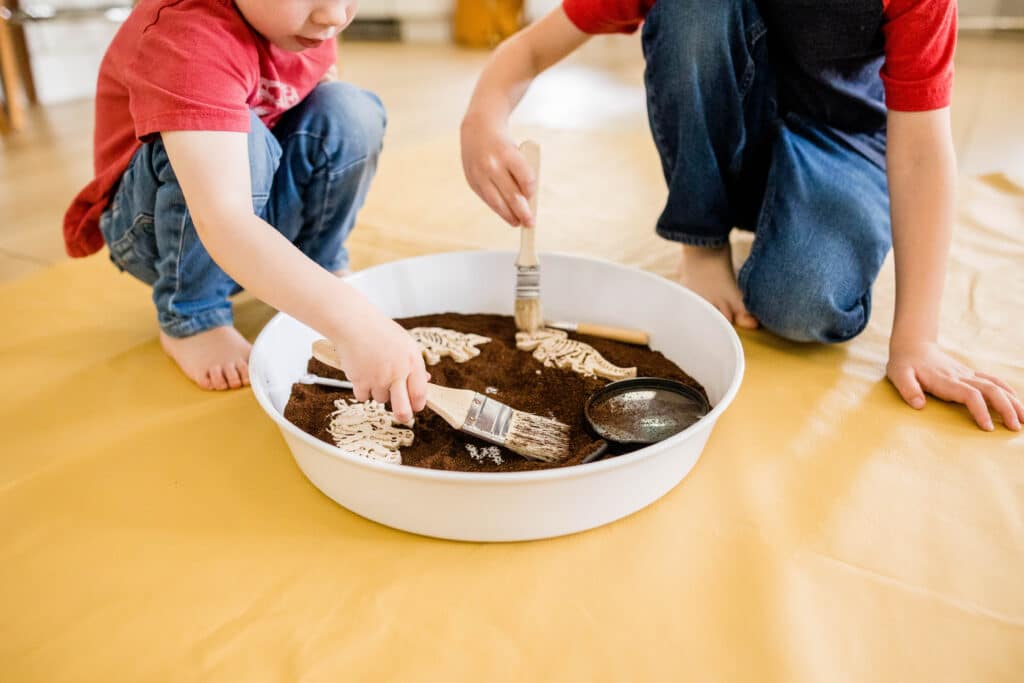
[708, 272]
[214, 359]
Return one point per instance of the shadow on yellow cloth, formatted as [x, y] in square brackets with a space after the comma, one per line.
[151, 531]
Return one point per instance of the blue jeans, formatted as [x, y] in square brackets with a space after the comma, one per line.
[819, 206]
[310, 175]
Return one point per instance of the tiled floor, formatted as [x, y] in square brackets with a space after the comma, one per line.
[426, 88]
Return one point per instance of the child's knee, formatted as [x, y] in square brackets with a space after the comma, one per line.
[693, 37]
[354, 119]
[805, 306]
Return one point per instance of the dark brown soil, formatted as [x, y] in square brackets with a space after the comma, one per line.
[521, 382]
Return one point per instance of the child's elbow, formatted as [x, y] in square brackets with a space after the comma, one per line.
[220, 217]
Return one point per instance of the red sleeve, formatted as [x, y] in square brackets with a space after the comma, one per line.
[607, 16]
[920, 36]
[192, 75]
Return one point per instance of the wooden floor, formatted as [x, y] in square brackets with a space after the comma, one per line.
[594, 101]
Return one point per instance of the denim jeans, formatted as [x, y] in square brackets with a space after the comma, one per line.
[819, 205]
[310, 175]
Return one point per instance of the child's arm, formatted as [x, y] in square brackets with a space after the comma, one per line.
[379, 357]
[922, 179]
[494, 167]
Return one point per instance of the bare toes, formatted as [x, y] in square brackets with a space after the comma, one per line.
[747, 321]
[243, 372]
[724, 309]
[204, 381]
[232, 376]
[217, 378]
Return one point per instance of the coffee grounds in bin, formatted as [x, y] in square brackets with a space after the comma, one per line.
[521, 382]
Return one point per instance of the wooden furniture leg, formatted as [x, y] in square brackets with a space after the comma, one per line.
[24, 59]
[15, 114]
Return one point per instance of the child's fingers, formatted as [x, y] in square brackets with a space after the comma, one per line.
[361, 391]
[521, 173]
[910, 389]
[999, 400]
[400, 401]
[998, 382]
[1018, 406]
[972, 398]
[380, 393]
[506, 184]
[493, 197]
[1018, 411]
[417, 386]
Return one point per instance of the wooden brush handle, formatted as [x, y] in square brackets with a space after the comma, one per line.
[527, 247]
[323, 351]
[622, 334]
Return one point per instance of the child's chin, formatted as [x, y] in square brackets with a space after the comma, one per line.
[289, 44]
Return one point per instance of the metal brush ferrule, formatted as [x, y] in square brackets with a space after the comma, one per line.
[528, 282]
[488, 420]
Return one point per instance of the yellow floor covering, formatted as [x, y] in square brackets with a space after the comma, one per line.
[153, 532]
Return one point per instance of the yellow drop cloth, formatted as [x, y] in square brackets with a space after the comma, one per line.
[153, 532]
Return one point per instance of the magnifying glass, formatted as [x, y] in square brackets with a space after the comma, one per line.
[644, 410]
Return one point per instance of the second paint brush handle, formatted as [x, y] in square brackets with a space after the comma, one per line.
[622, 334]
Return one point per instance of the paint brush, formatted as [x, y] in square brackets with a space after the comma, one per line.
[621, 334]
[528, 313]
[531, 436]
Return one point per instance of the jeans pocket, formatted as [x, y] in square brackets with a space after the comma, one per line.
[135, 251]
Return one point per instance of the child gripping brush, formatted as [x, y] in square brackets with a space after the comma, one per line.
[224, 159]
[817, 126]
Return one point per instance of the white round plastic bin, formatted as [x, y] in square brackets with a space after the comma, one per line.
[522, 505]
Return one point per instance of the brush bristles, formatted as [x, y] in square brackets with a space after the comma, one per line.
[529, 317]
[537, 438]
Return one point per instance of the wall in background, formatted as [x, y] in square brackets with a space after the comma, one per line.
[66, 54]
[992, 14]
[421, 20]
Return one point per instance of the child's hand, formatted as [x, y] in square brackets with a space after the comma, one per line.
[918, 367]
[497, 170]
[384, 363]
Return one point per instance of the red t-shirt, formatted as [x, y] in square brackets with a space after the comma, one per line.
[183, 65]
[920, 36]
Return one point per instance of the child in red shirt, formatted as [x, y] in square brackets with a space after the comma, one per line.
[224, 159]
[808, 123]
